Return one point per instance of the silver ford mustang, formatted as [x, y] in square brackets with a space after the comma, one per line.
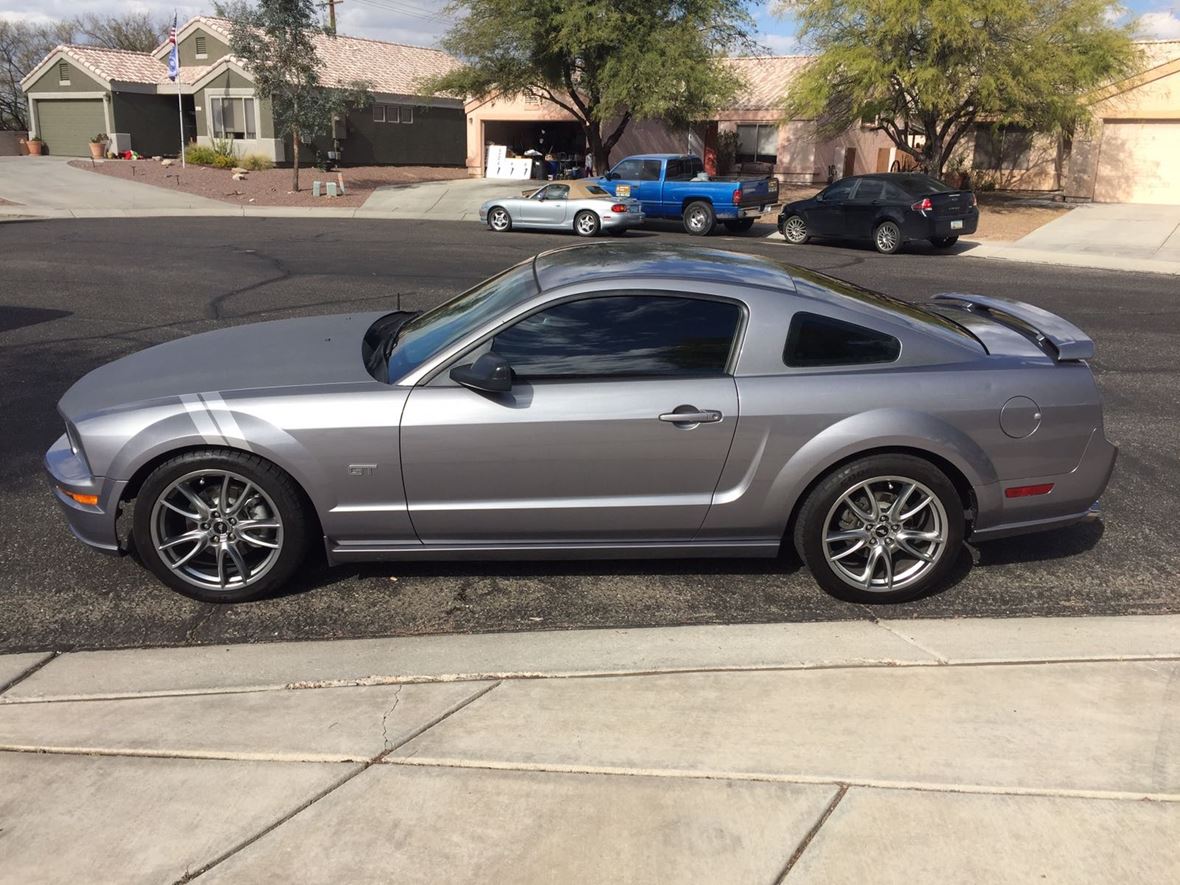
[596, 401]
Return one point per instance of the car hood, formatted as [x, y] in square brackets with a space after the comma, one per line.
[283, 353]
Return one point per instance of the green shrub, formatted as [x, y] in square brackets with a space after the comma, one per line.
[199, 155]
[256, 162]
[224, 161]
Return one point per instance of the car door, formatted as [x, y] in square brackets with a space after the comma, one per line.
[826, 217]
[638, 178]
[862, 207]
[545, 208]
[616, 429]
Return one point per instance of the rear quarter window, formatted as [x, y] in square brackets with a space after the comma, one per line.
[814, 340]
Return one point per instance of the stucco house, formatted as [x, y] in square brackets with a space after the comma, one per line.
[79, 91]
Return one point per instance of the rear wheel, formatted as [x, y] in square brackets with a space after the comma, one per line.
[586, 224]
[699, 219]
[221, 525]
[794, 231]
[943, 242]
[886, 528]
[887, 237]
[499, 220]
[739, 225]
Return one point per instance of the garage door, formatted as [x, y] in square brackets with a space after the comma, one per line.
[1139, 163]
[67, 124]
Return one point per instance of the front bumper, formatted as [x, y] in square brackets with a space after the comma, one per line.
[1074, 497]
[94, 525]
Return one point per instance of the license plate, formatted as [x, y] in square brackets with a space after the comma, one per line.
[956, 225]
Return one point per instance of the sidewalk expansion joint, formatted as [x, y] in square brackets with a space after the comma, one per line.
[778, 778]
[510, 676]
[26, 673]
[811, 834]
[909, 640]
[361, 769]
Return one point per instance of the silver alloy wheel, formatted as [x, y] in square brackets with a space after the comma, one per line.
[885, 533]
[888, 237]
[587, 224]
[216, 529]
[697, 219]
[498, 219]
[795, 230]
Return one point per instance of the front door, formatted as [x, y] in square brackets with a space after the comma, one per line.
[826, 217]
[616, 429]
[861, 208]
[547, 207]
[638, 178]
[849, 161]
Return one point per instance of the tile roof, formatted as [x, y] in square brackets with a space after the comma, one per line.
[121, 65]
[766, 78]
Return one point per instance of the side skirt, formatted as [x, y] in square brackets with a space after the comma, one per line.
[339, 553]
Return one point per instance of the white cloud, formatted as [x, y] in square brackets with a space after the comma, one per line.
[1162, 24]
[780, 44]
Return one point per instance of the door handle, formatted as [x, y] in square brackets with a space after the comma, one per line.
[691, 415]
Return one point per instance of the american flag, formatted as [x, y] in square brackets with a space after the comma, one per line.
[174, 55]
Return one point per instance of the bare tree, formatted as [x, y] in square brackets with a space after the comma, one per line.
[134, 31]
[22, 46]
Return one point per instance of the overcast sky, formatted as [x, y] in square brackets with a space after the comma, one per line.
[420, 21]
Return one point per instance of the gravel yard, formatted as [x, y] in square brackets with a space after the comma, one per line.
[271, 187]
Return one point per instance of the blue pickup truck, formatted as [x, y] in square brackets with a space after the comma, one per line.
[676, 186]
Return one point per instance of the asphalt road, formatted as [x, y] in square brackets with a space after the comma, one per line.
[75, 294]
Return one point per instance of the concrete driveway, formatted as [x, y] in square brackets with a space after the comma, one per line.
[1123, 230]
[454, 200]
[51, 184]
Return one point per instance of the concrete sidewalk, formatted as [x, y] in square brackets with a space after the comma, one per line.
[891, 751]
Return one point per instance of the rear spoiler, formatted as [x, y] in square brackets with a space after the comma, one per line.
[1070, 342]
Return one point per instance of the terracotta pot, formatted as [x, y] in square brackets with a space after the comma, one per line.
[98, 149]
[35, 145]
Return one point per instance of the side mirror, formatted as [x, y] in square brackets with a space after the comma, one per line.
[612, 176]
[490, 374]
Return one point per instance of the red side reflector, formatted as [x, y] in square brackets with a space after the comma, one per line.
[923, 205]
[737, 197]
[92, 500]
[1028, 491]
[618, 207]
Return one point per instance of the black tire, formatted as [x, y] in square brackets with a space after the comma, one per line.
[943, 242]
[794, 230]
[824, 504]
[586, 224]
[275, 485]
[494, 219]
[887, 237]
[739, 225]
[699, 219]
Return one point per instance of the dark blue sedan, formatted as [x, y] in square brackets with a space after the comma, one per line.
[887, 209]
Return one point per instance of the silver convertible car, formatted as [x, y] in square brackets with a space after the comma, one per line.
[580, 206]
[595, 401]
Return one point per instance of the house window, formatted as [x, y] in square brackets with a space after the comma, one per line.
[1002, 148]
[63, 73]
[233, 117]
[199, 41]
[757, 143]
[378, 113]
[407, 114]
[392, 113]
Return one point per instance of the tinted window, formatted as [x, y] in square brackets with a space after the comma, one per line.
[870, 189]
[915, 185]
[815, 340]
[675, 171]
[638, 170]
[840, 190]
[622, 335]
[596, 190]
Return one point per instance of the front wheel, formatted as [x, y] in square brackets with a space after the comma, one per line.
[499, 220]
[886, 528]
[887, 237]
[586, 224]
[794, 231]
[739, 225]
[221, 525]
[943, 242]
[699, 219]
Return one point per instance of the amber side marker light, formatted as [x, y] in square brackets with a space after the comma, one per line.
[1028, 491]
[92, 500]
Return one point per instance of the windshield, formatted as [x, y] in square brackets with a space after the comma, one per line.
[425, 335]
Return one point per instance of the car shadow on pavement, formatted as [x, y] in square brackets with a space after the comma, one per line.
[1062, 543]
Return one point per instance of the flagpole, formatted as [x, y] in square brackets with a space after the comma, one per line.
[174, 73]
[180, 117]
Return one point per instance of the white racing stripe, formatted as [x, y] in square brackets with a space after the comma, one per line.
[203, 421]
[225, 420]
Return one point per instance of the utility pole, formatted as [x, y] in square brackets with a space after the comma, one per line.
[331, 4]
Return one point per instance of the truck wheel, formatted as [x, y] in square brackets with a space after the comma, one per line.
[739, 226]
[699, 219]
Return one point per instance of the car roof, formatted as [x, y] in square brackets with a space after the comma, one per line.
[656, 157]
[571, 264]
